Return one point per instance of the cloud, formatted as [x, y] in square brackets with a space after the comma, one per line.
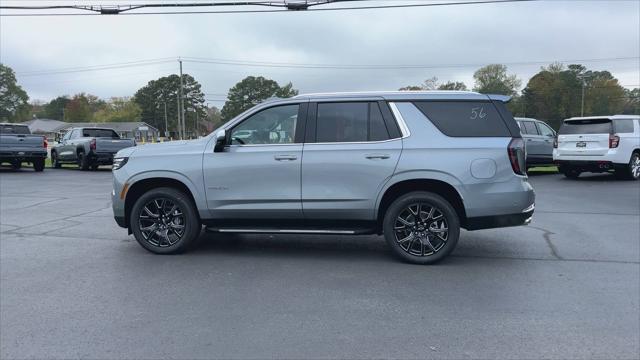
[476, 34]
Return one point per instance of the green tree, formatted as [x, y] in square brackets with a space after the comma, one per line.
[555, 93]
[14, 101]
[631, 101]
[118, 109]
[153, 97]
[252, 91]
[493, 79]
[82, 107]
[453, 85]
[55, 108]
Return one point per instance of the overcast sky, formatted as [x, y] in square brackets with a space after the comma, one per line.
[513, 34]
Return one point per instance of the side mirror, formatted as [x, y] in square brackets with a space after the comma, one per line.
[221, 141]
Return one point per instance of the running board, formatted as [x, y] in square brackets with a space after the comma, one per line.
[290, 231]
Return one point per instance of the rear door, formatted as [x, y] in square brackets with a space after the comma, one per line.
[548, 135]
[349, 154]
[533, 140]
[586, 137]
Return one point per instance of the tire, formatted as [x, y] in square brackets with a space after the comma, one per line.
[632, 170]
[83, 161]
[94, 167]
[569, 172]
[55, 163]
[431, 244]
[153, 240]
[16, 165]
[38, 165]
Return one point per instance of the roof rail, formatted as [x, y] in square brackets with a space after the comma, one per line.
[504, 98]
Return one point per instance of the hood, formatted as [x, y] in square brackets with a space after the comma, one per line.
[166, 148]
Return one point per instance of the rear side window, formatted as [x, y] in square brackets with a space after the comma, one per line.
[545, 130]
[623, 126]
[14, 129]
[464, 118]
[350, 122]
[592, 126]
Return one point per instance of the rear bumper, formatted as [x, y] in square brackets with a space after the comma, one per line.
[497, 221]
[22, 155]
[102, 158]
[587, 165]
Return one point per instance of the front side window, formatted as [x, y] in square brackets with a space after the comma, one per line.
[276, 125]
[530, 127]
[350, 122]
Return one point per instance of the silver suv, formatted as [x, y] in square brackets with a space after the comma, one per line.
[414, 166]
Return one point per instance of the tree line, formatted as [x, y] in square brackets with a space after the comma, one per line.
[553, 94]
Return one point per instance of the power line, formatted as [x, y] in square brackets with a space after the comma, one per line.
[284, 7]
[298, 65]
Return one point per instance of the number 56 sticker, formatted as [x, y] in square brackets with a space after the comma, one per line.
[478, 113]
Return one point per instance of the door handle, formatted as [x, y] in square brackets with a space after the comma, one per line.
[377, 156]
[529, 139]
[285, 157]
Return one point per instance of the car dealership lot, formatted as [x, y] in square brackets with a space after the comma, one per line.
[74, 284]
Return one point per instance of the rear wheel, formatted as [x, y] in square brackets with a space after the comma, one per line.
[632, 170]
[570, 172]
[38, 165]
[165, 221]
[83, 161]
[421, 227]
[94, 167]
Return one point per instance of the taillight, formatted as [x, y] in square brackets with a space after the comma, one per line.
[555, 142]
[45, 144]
[517, 156]
[92, 144]
[614, 140]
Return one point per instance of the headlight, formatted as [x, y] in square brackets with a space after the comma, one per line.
[119, 162]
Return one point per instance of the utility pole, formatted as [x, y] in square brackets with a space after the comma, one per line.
[178, 112]
[584, 84]
[166, 123]
[181, 102]
[195, 133]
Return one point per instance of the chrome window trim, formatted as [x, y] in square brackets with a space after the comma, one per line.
[404, 129]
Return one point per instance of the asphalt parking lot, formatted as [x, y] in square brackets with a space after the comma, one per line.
[73, 284]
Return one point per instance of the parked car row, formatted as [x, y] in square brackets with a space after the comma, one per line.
[585, 144]
[88, 147]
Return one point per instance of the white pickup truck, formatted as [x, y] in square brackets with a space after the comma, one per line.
[18, 145]
[599, 144]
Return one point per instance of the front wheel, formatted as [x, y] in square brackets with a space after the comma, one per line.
[421, 227]
[165, 221]
[55, 163]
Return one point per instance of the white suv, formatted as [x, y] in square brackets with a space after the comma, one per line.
[599, 144]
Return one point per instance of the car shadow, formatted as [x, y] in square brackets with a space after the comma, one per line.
[596, 177]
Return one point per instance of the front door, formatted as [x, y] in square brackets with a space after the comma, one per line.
[258, 174]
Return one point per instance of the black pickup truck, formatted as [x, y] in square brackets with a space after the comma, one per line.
[18, 145]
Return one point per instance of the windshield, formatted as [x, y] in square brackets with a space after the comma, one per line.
[100, 133]
[15, 129]
[593, 126]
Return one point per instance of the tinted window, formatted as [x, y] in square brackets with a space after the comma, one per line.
[624, 126]
[464, 118]
[545, 130]
[342, 122]
[100, 133]
[530, 128]
[377, 128]
[596, 126]
[276, 125]
[14, 129]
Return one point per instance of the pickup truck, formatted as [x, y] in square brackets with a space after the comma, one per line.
[18, 145]
[88, 147]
